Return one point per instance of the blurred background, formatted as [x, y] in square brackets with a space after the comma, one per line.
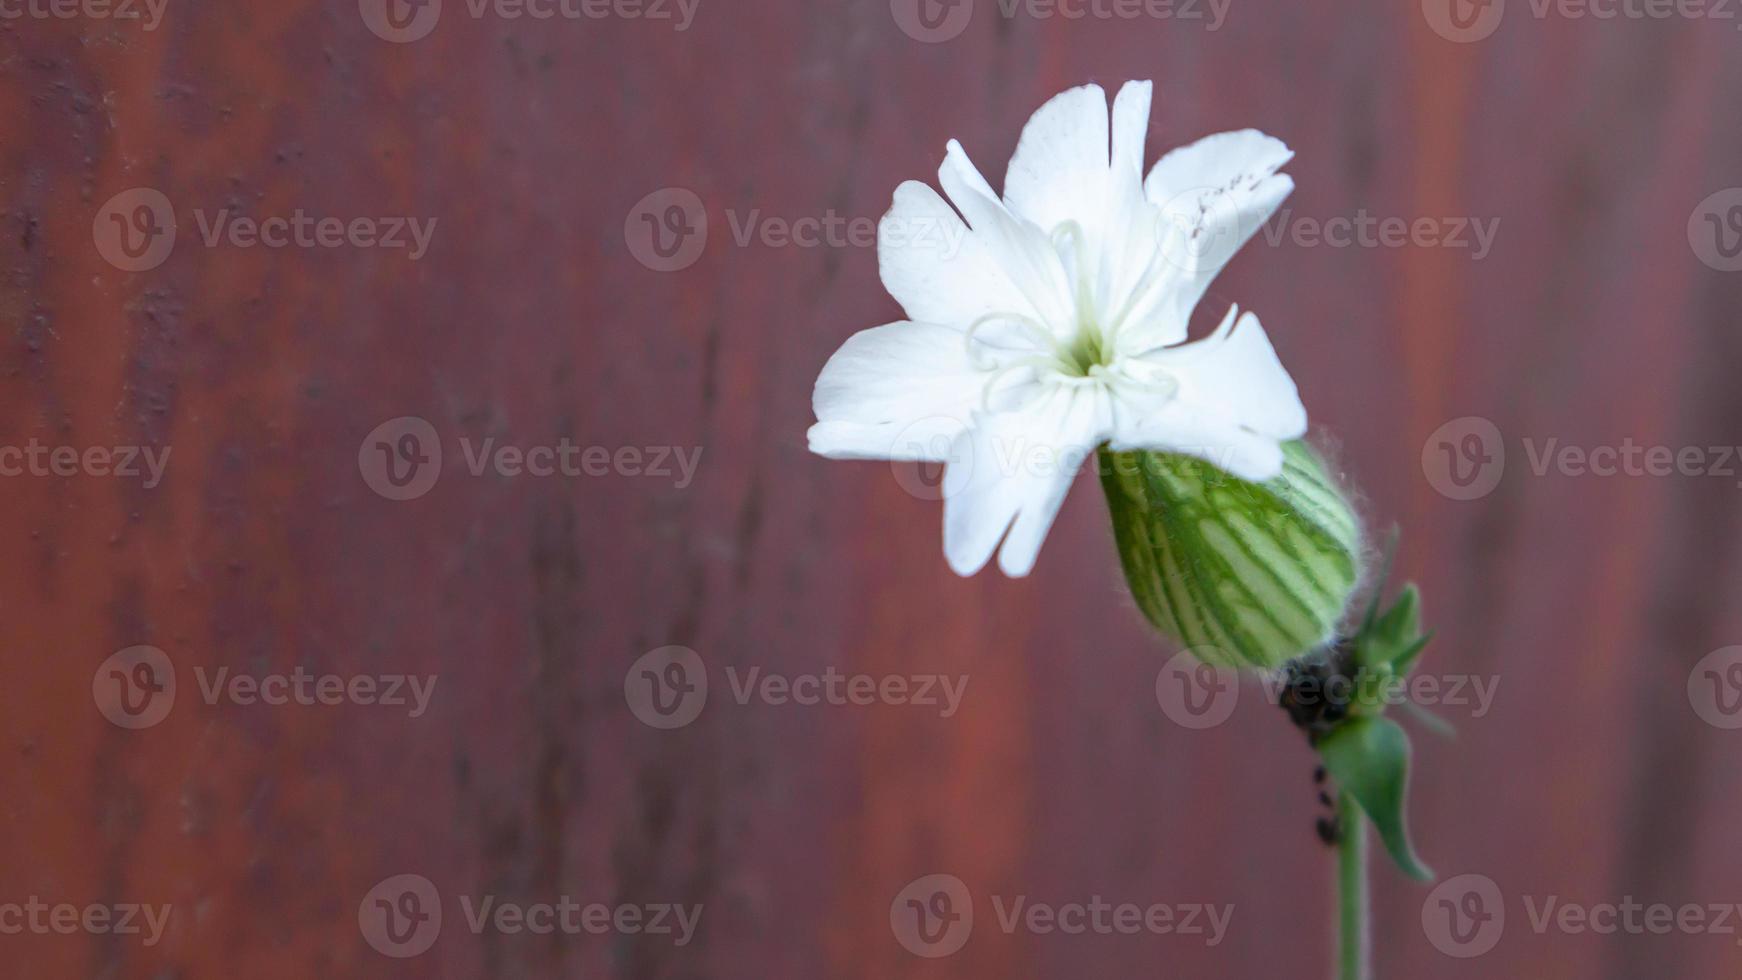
[308, 672]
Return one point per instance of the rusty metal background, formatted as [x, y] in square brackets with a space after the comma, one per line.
[533, 145]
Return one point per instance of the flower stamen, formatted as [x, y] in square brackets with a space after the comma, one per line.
[1002, 372]
[1032, 327]
[1152, 271]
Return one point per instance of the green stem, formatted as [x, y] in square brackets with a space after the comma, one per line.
[1352, 913]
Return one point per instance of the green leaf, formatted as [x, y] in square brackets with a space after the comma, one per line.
[1369, 757]
[1243, 574]
[1393, 638]
[1404, 662]
[1401, 624]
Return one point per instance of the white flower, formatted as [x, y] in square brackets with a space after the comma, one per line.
[1054, 321]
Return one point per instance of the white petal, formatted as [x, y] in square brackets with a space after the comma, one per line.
[1062, 175]
[1214, 195]
[979, 501]
[1011, 471]
[1021, 249]
[1223, 188]
[1237, 368]
[934, 268]
[899, 391]
[1235, 406]
[1129, 229]
[1130, 128]
[924, 440]
[1059, 170]
[1224, 160]
[1083, 427]
[1196, 430]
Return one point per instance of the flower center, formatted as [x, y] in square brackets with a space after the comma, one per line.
[1084, 350]
[1087, 351]
[1090, 345]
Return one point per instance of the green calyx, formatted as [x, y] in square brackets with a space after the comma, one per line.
[1366, 753]
[1260, 576]
[1338, 696]
[1243, 574]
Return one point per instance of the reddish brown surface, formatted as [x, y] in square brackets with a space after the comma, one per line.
[528, 778]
